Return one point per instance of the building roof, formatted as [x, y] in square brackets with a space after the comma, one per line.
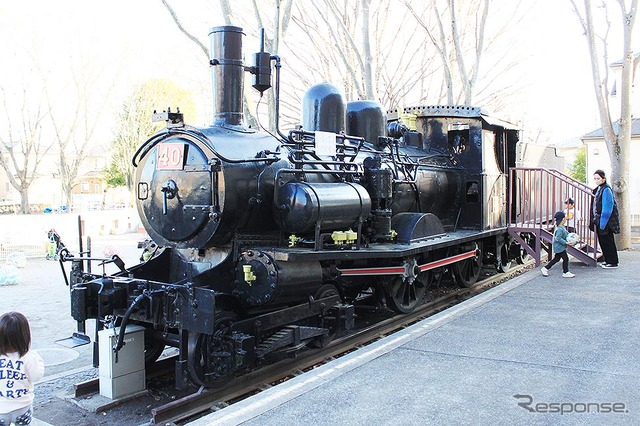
[620, 62]
[568, 143]
[598, 133]
[97, 174]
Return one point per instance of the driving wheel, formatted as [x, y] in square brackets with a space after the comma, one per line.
[522, 255]
[405, 292]
[210, 357]
[503, 263]
[326, 290]
[466, 272]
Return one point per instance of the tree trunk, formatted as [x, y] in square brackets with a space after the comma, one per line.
[67, 190]
[622, 150]
[366, 51]
[24, 201]
[618, 145]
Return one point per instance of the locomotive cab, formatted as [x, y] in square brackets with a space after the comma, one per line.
[483, 148]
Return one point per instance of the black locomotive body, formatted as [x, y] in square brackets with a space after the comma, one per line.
[267, 242]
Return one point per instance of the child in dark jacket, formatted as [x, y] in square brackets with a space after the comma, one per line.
[559, 247]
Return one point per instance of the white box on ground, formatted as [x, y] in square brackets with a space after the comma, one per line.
[123, 386]
[122, 374]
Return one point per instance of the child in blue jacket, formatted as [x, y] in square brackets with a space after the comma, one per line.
[559, 247]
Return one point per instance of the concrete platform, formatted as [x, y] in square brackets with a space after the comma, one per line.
[535, 350]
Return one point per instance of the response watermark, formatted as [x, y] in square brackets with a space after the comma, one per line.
[527, 402]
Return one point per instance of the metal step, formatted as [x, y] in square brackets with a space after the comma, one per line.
[583, 253]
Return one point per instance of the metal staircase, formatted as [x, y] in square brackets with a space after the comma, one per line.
[537, 193]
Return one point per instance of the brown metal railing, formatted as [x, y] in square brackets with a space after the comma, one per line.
[542, 192]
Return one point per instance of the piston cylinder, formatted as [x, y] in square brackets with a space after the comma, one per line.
[272, 282]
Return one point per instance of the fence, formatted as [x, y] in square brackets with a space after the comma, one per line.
[28, 233]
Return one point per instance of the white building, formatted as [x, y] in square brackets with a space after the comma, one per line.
[597, 154]
[598, 158]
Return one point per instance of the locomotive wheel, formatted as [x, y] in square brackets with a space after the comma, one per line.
[152, 350]
[523, 256]
[466, 272]
[403, 296]
[210, 357]
[324, 291]
[503, 264]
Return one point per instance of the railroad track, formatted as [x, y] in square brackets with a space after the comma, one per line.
[205, 400]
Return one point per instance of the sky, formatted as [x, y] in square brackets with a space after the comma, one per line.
[127, 42]
[119, 43]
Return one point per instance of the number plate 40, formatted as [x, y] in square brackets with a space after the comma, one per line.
[170, 156]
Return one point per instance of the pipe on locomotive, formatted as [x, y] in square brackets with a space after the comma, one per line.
[125, 318]
[125, 321]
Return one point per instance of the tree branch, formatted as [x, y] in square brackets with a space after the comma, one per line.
[183, 30]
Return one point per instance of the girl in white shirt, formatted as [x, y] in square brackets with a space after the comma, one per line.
[20, 368]
[573, 215]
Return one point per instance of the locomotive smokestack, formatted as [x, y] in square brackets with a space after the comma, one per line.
[227, 74]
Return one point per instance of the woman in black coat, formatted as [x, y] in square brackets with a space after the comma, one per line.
[605, 219]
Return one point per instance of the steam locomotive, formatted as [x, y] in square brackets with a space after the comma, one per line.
[267, 243]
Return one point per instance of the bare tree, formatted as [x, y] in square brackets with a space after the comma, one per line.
[357, 44]
[278, 29]
[335, 43]
[460, 50]
[183, 30]
[355, 57]
[439, 41]
[73, 134]
[22, 146]
[476, 46]
[274, 34]
[618, 144]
